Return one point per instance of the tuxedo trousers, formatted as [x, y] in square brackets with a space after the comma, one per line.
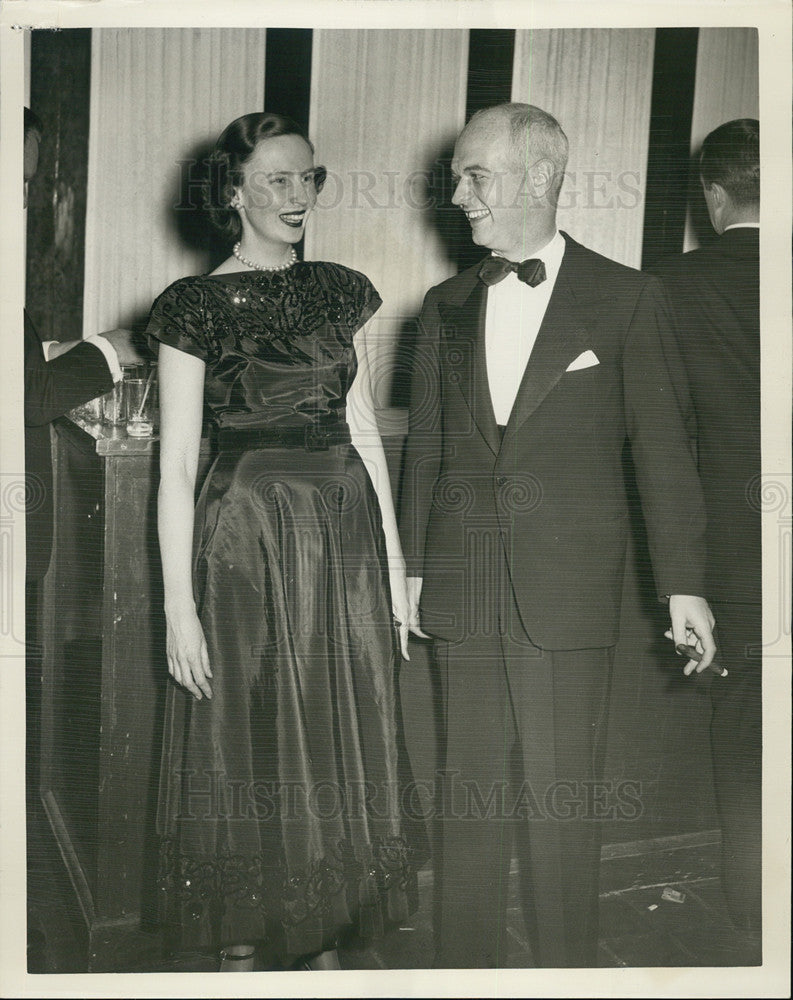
[737, 747]
[524, 743]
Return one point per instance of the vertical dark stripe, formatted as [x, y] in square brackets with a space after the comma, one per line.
[669, 153]
[287, 77]
[287, 72]
[490, 57]
[491, 53]
[60, 85]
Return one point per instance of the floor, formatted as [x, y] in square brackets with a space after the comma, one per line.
[639, 927]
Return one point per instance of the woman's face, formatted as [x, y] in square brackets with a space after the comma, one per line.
[278, 191]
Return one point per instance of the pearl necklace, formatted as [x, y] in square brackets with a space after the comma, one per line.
[263, 267]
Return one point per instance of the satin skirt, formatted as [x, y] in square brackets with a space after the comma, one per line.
[278, 813]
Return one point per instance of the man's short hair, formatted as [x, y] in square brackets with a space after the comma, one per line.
[536, 135]
[730, 157]
[33, 124]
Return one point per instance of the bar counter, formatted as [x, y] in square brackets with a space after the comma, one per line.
[104, 673]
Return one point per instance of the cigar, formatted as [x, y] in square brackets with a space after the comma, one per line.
[693, 654]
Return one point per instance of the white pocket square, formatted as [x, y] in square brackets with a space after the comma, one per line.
[586, 360]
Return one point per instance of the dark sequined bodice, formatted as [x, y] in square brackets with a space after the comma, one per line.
[278, 346]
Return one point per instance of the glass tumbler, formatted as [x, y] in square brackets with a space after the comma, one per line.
[141, 397]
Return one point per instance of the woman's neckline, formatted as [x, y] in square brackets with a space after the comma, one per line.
[253, 271]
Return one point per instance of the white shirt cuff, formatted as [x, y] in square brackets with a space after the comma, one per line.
[45, 346]
[110, 355]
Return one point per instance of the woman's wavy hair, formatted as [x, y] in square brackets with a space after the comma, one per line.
[233, 149]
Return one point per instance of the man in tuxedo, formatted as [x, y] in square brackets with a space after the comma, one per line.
[715, 296]
[532, 368]
[58, 377]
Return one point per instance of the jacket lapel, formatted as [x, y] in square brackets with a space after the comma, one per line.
[463, 346]
[561, 338]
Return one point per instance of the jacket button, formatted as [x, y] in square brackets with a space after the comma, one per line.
[501, 480]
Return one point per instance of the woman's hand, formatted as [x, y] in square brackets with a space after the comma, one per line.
[186, 648]
[399, 602]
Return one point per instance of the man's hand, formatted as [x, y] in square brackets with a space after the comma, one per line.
[692, 625]
[414, 596]
[123, 343]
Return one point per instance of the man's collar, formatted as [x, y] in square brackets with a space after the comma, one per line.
[551, 253]
[743, 225]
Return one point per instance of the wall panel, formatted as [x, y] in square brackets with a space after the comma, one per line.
[386, 107]
[597, 83]
[159, 98]
[56, 217]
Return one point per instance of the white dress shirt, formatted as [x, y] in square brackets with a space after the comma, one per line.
[104, 346]
[514, 315]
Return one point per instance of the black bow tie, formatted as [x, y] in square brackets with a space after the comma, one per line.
[494, 269]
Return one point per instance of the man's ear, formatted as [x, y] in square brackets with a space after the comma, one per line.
[716, 198]
[718, 194]
[540, 178]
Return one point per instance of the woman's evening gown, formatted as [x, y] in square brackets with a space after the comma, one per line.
[279, 808]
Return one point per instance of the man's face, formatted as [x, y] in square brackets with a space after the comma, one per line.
[491, 187]
[31, 163]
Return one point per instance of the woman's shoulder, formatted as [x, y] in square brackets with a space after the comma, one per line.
[340, 272]
[184, 301]
[193, 293]
[342, 280]
[351, 291]
[188, 286]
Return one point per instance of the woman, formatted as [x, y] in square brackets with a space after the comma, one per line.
[278, 805]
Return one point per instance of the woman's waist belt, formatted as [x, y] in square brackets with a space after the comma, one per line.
[311, 437]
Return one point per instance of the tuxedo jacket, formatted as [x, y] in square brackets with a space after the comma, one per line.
[551, 494]
[715, 298]
[52, 388]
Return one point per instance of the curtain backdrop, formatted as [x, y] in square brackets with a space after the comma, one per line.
[726, 87]
[158, 98]
[386, 107]
[598, 84]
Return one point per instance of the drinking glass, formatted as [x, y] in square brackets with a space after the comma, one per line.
[141, 396]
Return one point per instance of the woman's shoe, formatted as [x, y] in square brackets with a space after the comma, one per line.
[324, 961]
[237, 958]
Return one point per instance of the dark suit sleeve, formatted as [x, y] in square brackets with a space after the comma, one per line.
[422, 458]
[676, 362]
[671, 494]
[52, 388]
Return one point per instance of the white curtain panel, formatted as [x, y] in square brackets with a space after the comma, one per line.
[598, 84]
[386, 106]
[158, 96]
[726, 87]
